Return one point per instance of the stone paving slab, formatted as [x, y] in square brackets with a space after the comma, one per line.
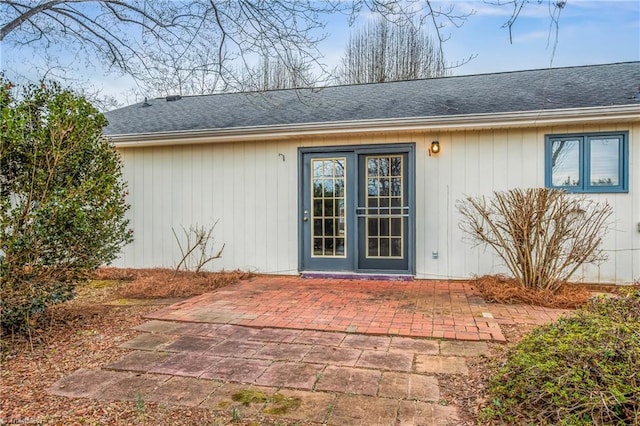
[463, 348]
[360, 341]
[139, 361]
[295, 375]
[186, 364]
[235, 348]
[430, 364]
[84, 383]
[192, 344]
[394, 361]
[149, 342]
[283, 351]
[423, 346]
[133, 387]
[409, 386]
[422, 413]
[278, 335]
[312, 337]
[185, 391]
[236, 370]
[363, 410]
[333, 355]
[349, 380]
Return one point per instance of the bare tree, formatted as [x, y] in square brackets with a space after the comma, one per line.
[390, 51]
[187, 40]
[542, 235]
[191, 46]
[273, 73]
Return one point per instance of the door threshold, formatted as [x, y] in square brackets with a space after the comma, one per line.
[356, 276]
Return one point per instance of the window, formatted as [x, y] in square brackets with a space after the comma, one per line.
[590, 162]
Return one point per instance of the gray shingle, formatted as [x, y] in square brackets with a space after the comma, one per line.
[557, 88]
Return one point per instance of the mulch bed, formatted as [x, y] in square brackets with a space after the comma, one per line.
[502, 289]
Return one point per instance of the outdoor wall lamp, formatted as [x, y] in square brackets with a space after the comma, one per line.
[435, 148]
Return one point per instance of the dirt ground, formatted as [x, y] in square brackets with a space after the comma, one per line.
[86, 333]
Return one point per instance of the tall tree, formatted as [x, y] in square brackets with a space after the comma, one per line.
[387, 51]
[277, 72]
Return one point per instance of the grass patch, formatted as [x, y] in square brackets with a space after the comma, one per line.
[99, 284]
[580, 370]
[249, 396]
[281, 404]
[278, 403]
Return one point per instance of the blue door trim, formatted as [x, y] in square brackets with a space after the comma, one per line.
[353, 251]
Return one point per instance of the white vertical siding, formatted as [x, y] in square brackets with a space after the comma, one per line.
[252, 189]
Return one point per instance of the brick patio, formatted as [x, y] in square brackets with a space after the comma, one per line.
[421, 308]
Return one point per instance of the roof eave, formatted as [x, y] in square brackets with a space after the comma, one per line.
[460, 122]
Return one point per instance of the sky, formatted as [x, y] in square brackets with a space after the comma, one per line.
[589, 32]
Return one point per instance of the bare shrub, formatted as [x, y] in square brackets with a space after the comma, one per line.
[542, 235]
[198, 247]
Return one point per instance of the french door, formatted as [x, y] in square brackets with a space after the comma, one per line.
[356, 211]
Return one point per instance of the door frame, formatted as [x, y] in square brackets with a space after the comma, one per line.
[408, 148]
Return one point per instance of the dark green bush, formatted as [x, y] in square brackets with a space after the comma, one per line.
[580, 370]
[62, 199]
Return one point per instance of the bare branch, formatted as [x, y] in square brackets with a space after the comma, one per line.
[385, 51]
[542, 235]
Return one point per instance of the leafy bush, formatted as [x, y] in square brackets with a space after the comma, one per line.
[580, 370]
[62, 199]
[542, 235]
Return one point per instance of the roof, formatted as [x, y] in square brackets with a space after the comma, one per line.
[518, 91]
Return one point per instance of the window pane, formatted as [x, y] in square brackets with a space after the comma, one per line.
[605, 159]
[328, 215]
[565, 163]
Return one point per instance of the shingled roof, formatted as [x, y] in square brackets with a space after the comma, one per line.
[518, 91]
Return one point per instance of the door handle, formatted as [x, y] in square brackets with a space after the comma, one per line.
[305, 216]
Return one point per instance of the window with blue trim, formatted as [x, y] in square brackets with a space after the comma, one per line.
[588, 162]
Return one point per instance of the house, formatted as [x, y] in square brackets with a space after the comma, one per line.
[364, 178]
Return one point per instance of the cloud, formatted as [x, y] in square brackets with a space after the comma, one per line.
[500, 8]
[531, 36]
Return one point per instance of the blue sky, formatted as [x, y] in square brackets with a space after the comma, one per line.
[590, 32]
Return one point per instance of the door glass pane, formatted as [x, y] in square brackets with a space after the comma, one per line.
[328, 201]
[605, 160]
[396, 247]
[372, 247]
[384, 189]
[565, 163]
